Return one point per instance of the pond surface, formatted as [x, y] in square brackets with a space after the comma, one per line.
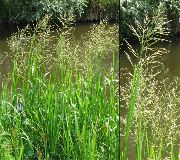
[7, 30]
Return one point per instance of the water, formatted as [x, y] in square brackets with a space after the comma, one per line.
[7, 30]
[173, 59]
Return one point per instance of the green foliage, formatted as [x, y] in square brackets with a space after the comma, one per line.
[130, 12]
[151, 103]
[51, 110]
[135, 10]
[110, 9]
[101, 9]
[33, 10]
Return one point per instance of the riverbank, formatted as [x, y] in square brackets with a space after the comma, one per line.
[78, 11]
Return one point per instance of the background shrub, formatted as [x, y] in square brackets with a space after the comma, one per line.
[132, 11]
[29, 11]
[33, 10]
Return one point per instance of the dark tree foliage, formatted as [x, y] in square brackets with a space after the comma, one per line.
[32, 10]
[96, 10]
[133, 10]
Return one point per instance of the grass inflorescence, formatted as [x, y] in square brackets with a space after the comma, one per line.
[58, 102]
[150, 98]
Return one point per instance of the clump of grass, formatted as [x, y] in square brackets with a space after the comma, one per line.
[153, 103]
[50, 110]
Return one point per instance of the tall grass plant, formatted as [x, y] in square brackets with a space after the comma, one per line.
[54, 106]
[152, 106]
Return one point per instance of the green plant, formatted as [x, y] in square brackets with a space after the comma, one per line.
[52, 107]
[152, 103]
